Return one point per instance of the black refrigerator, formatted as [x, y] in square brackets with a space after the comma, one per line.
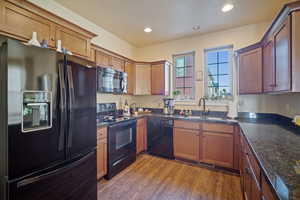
[47, 124]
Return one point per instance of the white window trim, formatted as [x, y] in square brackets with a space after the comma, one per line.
[221, 102]
[185, 101]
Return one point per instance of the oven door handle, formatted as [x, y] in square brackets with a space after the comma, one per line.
[121, 125]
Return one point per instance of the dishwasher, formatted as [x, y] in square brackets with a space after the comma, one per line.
[160, 137]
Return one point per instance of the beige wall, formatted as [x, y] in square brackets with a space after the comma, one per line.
[105, 39]
[238, 37]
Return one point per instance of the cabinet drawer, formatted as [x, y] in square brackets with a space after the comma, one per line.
[101, 133]
[186, 124]
[216, 127]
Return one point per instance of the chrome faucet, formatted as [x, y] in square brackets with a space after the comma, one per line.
[204, 112]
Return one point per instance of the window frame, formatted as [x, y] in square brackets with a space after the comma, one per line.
[193, 53]
[231, 65]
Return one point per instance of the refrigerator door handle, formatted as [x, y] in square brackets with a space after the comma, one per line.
[62, 105]
[45, 176]
[71, 104]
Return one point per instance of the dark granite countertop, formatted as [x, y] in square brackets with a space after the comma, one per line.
[278, 149]
[190, 118]
[275, 144]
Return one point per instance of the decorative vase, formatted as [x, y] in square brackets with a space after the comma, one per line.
[34, 41]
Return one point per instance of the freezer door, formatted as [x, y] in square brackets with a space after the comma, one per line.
[76, 181]
[81, 108]
[33, 100]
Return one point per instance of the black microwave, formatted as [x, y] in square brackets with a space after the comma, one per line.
[111, 81]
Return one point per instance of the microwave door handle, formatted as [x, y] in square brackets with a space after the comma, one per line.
[71, 104]
[62, 105]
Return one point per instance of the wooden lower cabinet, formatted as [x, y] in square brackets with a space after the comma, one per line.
[267, 193]
[141, 136]
[101, 151]
[217, 149]
[186, 144]
[254, 182]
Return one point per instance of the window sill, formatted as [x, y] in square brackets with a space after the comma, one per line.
[186, 102]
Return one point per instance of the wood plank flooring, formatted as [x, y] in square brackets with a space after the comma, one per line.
[152, 178]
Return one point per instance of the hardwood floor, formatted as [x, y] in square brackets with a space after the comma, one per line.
[152, 178]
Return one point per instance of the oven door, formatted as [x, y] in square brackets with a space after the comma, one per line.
[122, 141]
[106, 78]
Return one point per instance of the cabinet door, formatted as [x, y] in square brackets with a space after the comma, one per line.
[217, 149]
[101, 158]
[283, 58]
[102, 59]
[140, 139]
[142, 79]
[20, 23]
[117, 64]
[186, 144]
[250, 72]
[247, 180]
[129, 69]
[267, 191]
[158, 79]
[268, 67]
[73, 41]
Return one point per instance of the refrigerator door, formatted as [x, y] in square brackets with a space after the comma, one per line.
[76, 181]
[81, 108]
[34, 138]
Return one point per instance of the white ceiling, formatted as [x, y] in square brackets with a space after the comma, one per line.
[170, 19]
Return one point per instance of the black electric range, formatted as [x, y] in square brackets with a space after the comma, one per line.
[121, 138]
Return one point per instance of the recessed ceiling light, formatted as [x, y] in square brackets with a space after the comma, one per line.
[227, 7]
[196, 28]
[148, 30]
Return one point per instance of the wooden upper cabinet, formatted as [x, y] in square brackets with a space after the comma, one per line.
[20, 18]
[217, 148]
[295, 51]
[73, 41]
[129, 69]
[102, 59]
[186, 144]
[20, 23]
[282, 57]
[160, 78]
[142, 84]
[250, 72]
[117, 64]
[268, 67]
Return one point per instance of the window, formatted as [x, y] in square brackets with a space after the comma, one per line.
[184, 83]
[218, 79]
